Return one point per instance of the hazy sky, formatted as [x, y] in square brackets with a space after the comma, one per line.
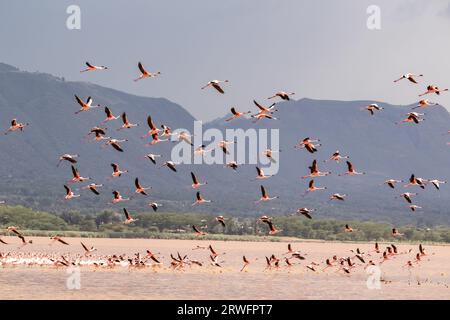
[318, 49]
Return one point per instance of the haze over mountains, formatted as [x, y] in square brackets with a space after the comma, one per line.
[375, 144]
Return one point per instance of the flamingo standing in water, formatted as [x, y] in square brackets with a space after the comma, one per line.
[145, 73]
[216, 85]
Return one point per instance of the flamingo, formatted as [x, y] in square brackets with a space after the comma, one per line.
[126, 123]
[93, 187]
[85, 106]
[139, 188]
[109, 115]
[269, 154]
[283, 95]
[436, 183]
[115, 143]
[169, 164]
[223, 145]
[195, 183]
[265, 196]
[425, 103]
[200, 199]
[197, 231]
[232, 164]
[246, 263]
[347, 228]
[337, 196]
[202, 150]
[336, 156]
[410, 77]
[312, 187]
[128, 218]
[221, 220]
[264, 109]
[314, 171]
[145, 73]
[87, 250]
[156, 139]
[70, 194]
[260, 116]
[236, 114]
[16, 126]
[407, 196]
[272, 229]
[372, 108]
[414, 207]
[153, 129]
[67, 157]
[154, 206]
[91, 67]
[116, 170]
[261, 175]
[167, 131]
[396, 233]
[308, 144]
[59, 239]
[152, 157]
[413, 117]
[118, 197]
[413, 181]
[350, 170]
[305, 212]
[99, 134]
[77, 177]
[391, 182]
[216, 85]
[433, 89]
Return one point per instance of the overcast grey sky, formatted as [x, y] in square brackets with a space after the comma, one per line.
[318, 49]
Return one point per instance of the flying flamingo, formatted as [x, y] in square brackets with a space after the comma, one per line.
[116, 170]
[128, 217]
[260, 116]
[264, 109]
[391, 182]
[315, 171]
[59, 239]
[152, 157]
[155, 206]
[414, 207]
[350, 170]
[67, 157]
[433, 89]
[85, 106]
[169, 164]
[436, 183]
[216, 85]
[118, 197]
[261, 175]
[109, 115]
[410, 77]
[91, 67]
[70, 194]
[413, 117]
[87, 250]
[246, 263]
[337, 196]
[153, 129]
[396, 233]
[236, 114]
[93, 187]
[198, 232]
[115, 143]
[312, 187]
[140, 189]
[305, 212]
[269, 154]
[265, 196]
[200, 199]
[425, 103]
[407, 196]
[16, 126]
[221, 220]
[126, 123]
[336, 156]
[372, 108]
[145, 73]
[308, 144]
[283, 95]
[195, 183]
[77, 177]
[272, 229]
[413, 181]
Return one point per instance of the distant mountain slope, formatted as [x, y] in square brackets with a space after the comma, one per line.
[375, 144]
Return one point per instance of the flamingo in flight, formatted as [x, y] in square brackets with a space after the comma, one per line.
[169, 164]
[93, 187]
[236, 114]
[424, 103]
[184, 136]
[69, 158]
[198, 232]
[118, 197]
[272, 229]
[69, 193]
[391, 182]
[408, 196]
[413, 207]
[308, 144]
[223, 146]
[433, 89]
[140, 189]
[99, 134]
[154, 206]
[115, 143]
[413, 117]
[336, 156]
[314, 171]
[351, 170]
[283, 95]
[195, 183]
[260, 116]
[145, 73]
[233, 165]
[216, 85]
[261, 175]
[85, 106]
[199, 199]
[126, 123]
[372, 108]
[16, 126]
[305, 212]
[347, 228]
[338, 196]
[77, 177]
[58, 239]
[221, 220]
[268, 153]
[91, 67]
[153, 129]
[264, 109]
[116, 170]
[88, 251]
[411, 77]
[312, 187]
[265, 196]
[436, 183]
[152, 157]
[413, 181]
[396, 233]
[109, 115]
[128, 218]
